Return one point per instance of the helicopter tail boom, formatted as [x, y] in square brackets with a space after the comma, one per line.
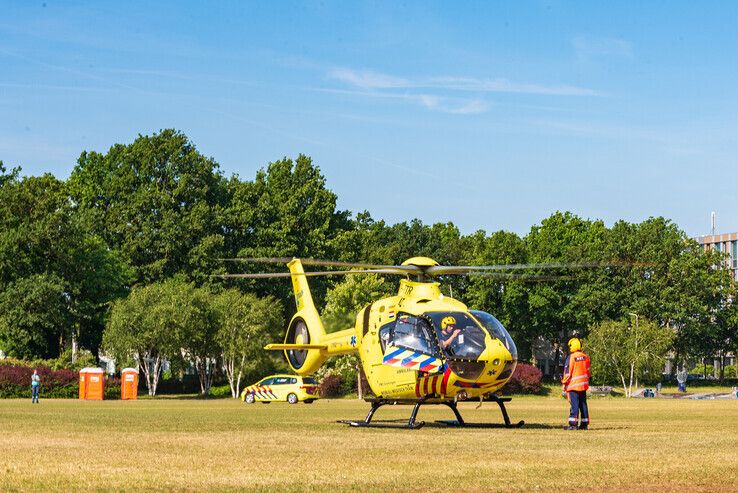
[306, 344]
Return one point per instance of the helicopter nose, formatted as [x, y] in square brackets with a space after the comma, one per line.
[495, 356]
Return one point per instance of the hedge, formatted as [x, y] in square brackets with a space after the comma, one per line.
[15, 382]
[526, 379]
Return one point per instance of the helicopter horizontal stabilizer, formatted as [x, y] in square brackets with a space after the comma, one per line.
[287, 347]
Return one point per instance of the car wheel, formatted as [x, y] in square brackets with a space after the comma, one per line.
[292, 398]
[249, 399]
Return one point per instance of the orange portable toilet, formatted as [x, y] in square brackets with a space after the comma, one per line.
[129, 384]
[91, 384]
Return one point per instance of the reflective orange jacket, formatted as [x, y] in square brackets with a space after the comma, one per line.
[576, 372]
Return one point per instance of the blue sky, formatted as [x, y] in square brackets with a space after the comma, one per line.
[491, 115]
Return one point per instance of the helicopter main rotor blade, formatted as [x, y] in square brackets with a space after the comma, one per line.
[313, 274]
[410, 269]
[505, 276]
[468, 269]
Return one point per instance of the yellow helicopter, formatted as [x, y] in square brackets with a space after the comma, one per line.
[418, 347]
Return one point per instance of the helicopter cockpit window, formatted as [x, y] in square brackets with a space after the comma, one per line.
[496, 330]
[415, 333]
[459, 335]
[385, 333]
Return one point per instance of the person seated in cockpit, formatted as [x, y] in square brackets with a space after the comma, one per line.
[449, 332]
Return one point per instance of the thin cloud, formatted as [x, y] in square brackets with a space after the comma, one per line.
[368, 79]
[458, 106]
[507, 86]
[436, 93]
[472, 107]
[362, 79]
[588, 48]
[450, 105]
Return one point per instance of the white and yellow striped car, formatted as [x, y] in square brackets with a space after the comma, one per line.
[289, 388]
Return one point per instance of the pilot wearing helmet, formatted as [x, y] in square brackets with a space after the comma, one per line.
[575, 383]
[449, 331]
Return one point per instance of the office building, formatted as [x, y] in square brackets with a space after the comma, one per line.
[727, 243]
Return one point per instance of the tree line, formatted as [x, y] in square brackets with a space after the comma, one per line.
[153, 219]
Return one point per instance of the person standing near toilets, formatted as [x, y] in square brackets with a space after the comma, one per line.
[35, 384]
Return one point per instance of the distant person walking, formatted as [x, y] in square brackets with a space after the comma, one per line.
[575, 383]
[35, 384]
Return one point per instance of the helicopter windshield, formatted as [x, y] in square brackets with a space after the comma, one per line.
[411, 332]
[496, 330]
[459, 335]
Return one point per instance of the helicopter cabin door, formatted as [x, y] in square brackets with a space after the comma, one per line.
[409, 349]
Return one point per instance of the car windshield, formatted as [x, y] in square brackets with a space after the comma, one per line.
[309, 381]
[459, 335]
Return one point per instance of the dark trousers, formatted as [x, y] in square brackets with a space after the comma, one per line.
[34, 393]
[578, 408]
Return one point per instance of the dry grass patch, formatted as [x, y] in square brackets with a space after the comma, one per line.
[195, 445]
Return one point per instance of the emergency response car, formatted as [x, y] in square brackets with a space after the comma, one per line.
[290, 388]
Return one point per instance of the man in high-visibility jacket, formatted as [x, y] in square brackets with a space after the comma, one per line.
[576, 382]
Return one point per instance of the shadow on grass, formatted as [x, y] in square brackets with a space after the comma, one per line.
[184, 397]
[400, 422]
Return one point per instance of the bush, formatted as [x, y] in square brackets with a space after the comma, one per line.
[112, 388]
[15, 381]
[220, 391]
[700, 370]
[345, 367]
[64, 361]
[526, 379]
[330, 386]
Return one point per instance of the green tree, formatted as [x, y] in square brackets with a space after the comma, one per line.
[559, 309]
[188, 311]
[6, 176]
[158, 201]
[33, 313]
[245, 324]
[40, 234]
[506, 299]
[695, 295]
[140, 328]
[287, 211]
[623, 352]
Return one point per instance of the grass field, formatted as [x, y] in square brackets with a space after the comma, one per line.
[187, 444]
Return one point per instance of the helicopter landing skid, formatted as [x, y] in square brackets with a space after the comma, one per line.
[460, 423]
[376, 404]
[412, 424]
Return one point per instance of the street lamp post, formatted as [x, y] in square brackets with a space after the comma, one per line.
[635, 356]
